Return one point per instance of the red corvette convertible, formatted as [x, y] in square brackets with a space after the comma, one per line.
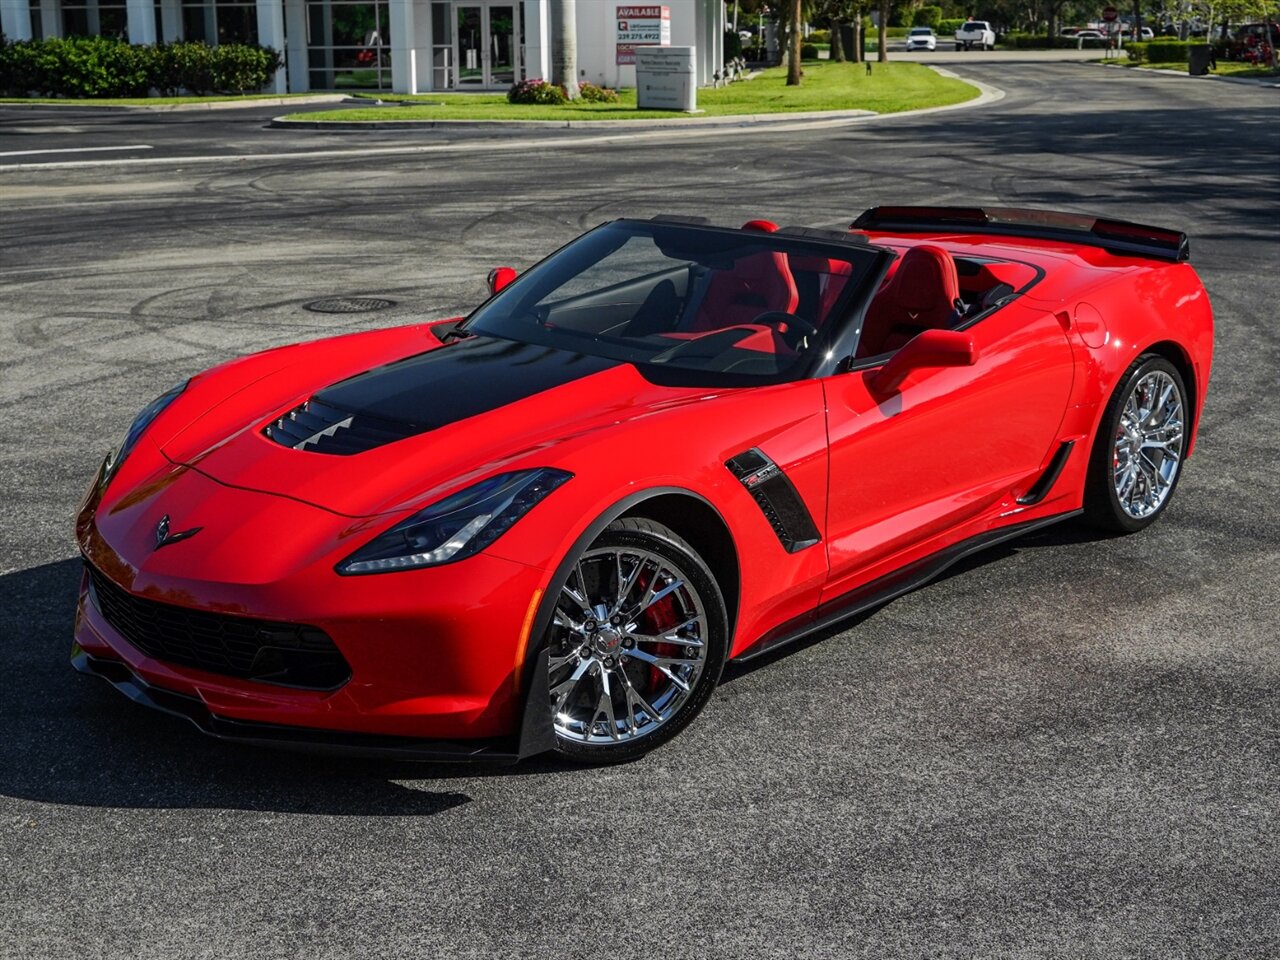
[548, 525]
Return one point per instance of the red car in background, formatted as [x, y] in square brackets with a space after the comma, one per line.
[1253, 43]
[547, 526]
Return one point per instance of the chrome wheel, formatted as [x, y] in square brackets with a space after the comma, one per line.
[628, 645]
[1148, 443]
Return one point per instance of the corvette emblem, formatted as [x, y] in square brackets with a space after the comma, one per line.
[164, 538]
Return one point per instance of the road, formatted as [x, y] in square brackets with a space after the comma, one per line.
[1068, 747]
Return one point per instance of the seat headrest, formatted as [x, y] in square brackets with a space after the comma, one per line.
[926, 276]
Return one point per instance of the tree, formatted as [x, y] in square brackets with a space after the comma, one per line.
[796, 16]
[883, 55]
[564, 46]
[836, 13]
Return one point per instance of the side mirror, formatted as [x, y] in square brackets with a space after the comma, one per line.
[500, 277]
[930, 348]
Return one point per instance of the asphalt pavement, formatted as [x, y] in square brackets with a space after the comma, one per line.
[1065, 748]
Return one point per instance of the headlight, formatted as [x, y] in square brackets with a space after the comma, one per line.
[458, 526]
[136, 429]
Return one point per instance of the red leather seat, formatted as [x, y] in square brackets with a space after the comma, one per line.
[923, 294]
[756, 284]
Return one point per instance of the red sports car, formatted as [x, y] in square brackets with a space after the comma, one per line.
[548, 525]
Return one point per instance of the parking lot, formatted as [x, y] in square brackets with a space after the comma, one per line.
[1066, 747]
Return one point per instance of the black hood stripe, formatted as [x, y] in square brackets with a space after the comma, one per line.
[421, 393]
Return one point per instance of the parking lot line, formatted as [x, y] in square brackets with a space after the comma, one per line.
[32, 153]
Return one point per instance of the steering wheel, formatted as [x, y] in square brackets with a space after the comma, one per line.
[797, 327]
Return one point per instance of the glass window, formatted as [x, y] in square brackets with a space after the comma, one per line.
[216, 23]
[672, 296]
[81, 19]
[349, 45]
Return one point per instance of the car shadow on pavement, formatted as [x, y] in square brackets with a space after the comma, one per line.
[72, 739]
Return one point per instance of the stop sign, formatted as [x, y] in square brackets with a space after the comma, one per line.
[1109, 14]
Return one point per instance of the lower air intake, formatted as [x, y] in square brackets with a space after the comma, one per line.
[288, 654]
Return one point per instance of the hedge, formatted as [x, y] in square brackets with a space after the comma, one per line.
[1041, 41]
[948, 27]
[1168, 51]
[88, 67]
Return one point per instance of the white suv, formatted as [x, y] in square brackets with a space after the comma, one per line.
[922, 38]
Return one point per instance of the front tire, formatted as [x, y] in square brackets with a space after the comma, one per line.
[1137, 456]
[636, 644]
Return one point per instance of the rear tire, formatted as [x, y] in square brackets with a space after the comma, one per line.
[1136, 460]
[636, 645]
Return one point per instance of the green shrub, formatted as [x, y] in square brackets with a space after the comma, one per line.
[536, 90]
[732, 44]
[88, 67]
[819, 36]
[240, 68]
[590, 93]
[928, 17]
[808, 51]
[1039, 41]
[948, 28]
[1161, 51]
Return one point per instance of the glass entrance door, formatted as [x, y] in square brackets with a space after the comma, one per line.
[502, 45]
[486, 45]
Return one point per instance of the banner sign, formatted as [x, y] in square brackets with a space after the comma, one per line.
[641, 25]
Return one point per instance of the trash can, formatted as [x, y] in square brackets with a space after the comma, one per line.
[1198, 59]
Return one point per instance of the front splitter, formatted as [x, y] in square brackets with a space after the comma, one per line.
[307, 739]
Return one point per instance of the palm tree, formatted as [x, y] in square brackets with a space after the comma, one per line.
[564, 46]
[793, 47]
[883, 56]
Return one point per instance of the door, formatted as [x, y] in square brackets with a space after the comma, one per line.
[948, 446]
[487, 45]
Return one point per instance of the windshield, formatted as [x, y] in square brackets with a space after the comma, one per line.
[747, 303]
[921, 32]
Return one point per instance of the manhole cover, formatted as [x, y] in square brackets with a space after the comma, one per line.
[348, 305]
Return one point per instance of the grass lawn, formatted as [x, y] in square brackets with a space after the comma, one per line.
[1226, 68]
[892, 87]
[152, 101]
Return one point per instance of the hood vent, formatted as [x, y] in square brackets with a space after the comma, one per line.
[320, 428]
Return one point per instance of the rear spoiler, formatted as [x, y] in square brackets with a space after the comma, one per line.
[1114, 236]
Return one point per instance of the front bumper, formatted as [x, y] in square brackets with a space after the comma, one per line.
[118, 674]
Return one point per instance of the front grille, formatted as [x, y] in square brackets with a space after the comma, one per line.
[288, 654]
[322, 428]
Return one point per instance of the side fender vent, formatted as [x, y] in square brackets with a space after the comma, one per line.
[777, 498]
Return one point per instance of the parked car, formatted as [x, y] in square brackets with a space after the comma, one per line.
[922, 38]
[976, 33]
[1250, 43]
[549, 525]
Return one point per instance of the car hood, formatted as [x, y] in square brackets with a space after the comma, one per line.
[403, 433]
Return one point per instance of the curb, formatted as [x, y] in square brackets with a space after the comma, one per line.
[737, 120]
[986, 94]
[175, 107]
[1264, 82]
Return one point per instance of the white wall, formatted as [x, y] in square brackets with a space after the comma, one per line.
[597, 36]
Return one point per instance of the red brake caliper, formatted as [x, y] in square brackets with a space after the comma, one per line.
[655, 621]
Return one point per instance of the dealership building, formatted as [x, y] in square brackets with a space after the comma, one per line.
[403, 46]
